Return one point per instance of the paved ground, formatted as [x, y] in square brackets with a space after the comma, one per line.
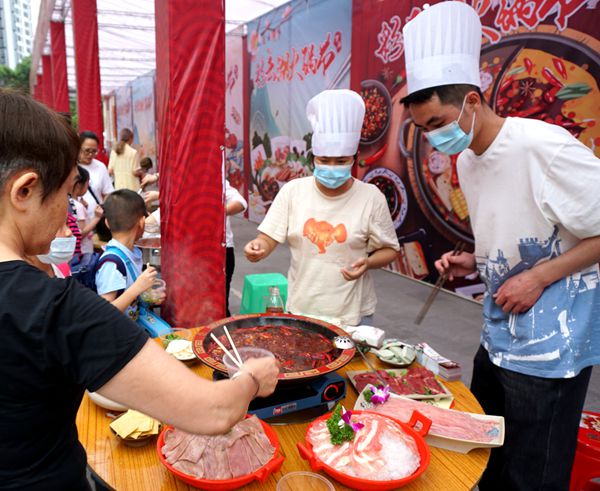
[452, 325]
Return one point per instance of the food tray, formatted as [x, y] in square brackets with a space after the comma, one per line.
[397, 372]
[261, 474]
[306, 452]
[454, 444]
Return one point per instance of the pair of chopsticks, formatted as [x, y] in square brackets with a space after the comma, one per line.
[457, 251]
[237, 359]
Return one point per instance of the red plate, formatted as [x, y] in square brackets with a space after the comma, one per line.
[306, 452]
[261, 474]
[203, 340]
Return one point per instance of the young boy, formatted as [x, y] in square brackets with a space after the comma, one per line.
[125, 214]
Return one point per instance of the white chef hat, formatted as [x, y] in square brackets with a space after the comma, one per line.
[336, 117]
[442, 46]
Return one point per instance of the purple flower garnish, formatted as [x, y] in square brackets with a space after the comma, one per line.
[380, 393]
[346, 419]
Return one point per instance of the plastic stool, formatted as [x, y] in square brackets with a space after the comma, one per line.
[256, 287]
[587, 456]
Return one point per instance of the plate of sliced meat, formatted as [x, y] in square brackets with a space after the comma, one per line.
[414, 382]
[450, 429]
[383, 454]
[249, 452]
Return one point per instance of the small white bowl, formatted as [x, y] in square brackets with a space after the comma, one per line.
[106, 403]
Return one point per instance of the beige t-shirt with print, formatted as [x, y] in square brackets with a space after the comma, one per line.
[326, 234]
[123, 167]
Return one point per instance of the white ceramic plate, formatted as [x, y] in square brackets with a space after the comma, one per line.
[105, 403]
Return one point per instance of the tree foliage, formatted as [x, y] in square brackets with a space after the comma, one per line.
[17, 78]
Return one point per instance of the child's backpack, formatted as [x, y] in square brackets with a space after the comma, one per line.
[85, 266]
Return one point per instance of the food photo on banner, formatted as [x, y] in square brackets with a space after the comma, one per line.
[144, 116]
[540, 59]
[124, 108]
[295, 52]
[234, 110]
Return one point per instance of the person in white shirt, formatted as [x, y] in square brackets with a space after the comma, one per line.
[100, 184]
[532, 193]
[234, 204]
[337, 227]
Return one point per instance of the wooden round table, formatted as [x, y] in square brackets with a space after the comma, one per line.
[138, 469]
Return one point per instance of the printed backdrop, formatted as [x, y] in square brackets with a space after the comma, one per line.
[234, 110]
[295, 52]
[144, 116]
[540, 59]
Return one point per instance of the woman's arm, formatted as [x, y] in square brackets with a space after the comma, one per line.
[158, 385]
[378, 259]
[259, 248]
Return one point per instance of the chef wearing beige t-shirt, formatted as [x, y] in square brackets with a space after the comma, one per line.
[337, 227]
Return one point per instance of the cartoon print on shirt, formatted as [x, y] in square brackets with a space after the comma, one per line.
[323, 234]
[547, 331]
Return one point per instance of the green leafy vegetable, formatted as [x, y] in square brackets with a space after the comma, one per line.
[367, 394]
[516, 71]
[573, 91]
[339, 434]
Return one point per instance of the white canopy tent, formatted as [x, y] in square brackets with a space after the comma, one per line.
[126, 36]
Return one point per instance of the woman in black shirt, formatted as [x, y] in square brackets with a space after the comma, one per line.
[59, 338]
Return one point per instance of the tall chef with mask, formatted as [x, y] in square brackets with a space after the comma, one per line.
[337, 227]
[532, 193]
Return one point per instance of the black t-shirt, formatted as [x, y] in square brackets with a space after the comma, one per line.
[57, 338]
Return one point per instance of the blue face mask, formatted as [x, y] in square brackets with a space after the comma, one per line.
[332, 176]
[451, 139]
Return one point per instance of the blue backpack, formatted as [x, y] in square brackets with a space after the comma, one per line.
[85, 266]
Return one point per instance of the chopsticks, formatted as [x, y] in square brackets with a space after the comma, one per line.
[227, 352]
[457, 251]
[237, 359]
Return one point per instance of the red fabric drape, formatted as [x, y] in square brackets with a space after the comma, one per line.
[38, 90]
[190, 87]
[48, 98]
[87, 68]
[59, 67]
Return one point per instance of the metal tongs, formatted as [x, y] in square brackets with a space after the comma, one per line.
[458, 249]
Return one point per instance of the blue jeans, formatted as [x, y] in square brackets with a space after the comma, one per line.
[542, 419]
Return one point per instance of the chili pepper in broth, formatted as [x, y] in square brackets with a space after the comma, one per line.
[560, 67]
[549, 75]
[528, 65]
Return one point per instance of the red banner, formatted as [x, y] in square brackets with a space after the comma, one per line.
[47, 95]
[87, 68]
[190, 72]
[59, 67]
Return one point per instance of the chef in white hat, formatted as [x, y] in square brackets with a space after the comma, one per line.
[532, 194]
[337, 227]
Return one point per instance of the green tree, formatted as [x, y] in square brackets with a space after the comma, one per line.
[17, 78]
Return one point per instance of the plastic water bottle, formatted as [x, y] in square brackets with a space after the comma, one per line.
[274, 301]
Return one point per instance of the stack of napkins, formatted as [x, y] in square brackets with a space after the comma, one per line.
[134, 424]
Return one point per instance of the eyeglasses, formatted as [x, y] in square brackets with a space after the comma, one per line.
[89, 151]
